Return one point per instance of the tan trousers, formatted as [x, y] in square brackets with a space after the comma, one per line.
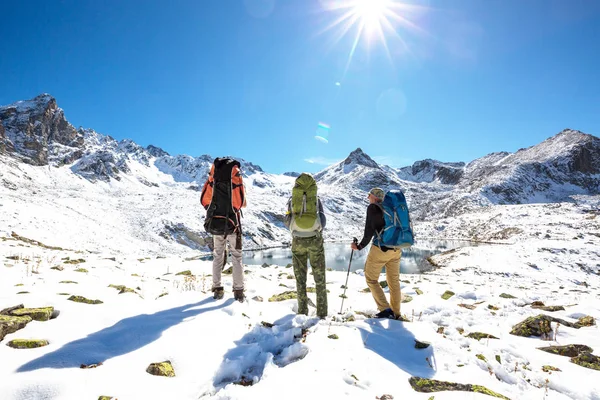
[219, 250]
[376, 260]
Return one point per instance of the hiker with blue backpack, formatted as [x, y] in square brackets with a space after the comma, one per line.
[306, 220]
[388, 224]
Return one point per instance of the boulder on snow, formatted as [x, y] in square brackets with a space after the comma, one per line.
[431, 385]
[587, 360]
[161, 369]
[447, 294]
[185, 273]
[570, 350]
[289, 295]
[538, 326]
[36, 314]
[27, 343]
[81, 299]
[480, 335]
[11, 324]
[586, 321]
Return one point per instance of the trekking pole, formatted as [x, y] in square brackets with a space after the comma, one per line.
[355, 241]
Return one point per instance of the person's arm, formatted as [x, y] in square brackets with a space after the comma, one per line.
[322, 217]
[369, 227]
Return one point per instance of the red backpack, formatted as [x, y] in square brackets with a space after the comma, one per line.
[223, 196]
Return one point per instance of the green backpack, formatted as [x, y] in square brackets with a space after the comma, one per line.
[304, 206]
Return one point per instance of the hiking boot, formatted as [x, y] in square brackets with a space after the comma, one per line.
[218, 293]
[238, 294]
[387, 313]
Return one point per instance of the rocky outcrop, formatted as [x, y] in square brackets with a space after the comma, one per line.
[10, 324]
[27, 343]
[37, 132]
[161, 369]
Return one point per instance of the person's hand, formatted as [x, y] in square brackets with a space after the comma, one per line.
[354, 246]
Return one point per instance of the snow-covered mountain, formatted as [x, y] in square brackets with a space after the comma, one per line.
[49, 168]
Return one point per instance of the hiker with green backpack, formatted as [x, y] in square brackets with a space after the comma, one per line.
[388, 224]
[306, 221]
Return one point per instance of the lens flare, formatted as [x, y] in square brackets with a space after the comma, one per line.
[322, 133]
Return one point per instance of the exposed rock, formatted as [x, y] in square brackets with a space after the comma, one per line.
[549, 368]
[105, 398]
[10, 324]
[549, 308]
[538, 326]
[447, 294]
[481, 357]
[161, 369]
[507, 296]
[258, 298]
[36, 314]
[27, 343]
[421, 345]
[587, 360]
[68, 282]
[586, 321]
[81, 299]
[418, 291]
[78, 261]
[570, 350]
[333, 336]
[7, 311]
[480, 335]
[467, 306]
[118, 287]
[82, 270]
[37, 132]
[58, 268]
[430, 385]
[289, 295]
[127, 290]
[406, 298]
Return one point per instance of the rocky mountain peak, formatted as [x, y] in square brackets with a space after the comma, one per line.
[361, 158]
[37, 132]
[156, 151]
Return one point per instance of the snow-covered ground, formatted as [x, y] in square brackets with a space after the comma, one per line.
[215, 345]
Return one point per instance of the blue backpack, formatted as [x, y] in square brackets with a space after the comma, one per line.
[397, 232]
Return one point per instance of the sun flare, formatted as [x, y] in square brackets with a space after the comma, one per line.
[383, 22]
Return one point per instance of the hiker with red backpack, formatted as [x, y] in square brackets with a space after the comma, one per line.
[306, 220]
[388, 223]
[223, 196]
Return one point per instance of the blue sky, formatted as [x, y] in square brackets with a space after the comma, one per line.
[253, 78]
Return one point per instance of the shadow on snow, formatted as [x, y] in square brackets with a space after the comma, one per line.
[125, 336]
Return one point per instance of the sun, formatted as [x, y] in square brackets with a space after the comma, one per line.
[374, 21]
[371, 13]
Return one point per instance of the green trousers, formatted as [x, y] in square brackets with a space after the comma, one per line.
[304, 250]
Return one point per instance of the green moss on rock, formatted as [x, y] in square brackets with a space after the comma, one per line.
[550, 368]
[587, 360]
[105, 398]
[538, 325]
[366, 290]
[418, 291]
[36, 314]
[383, 284]
[78, 261]
[118, 287]
[23, 292]
[57, 268]
[570, 350]
[82, 270]
[549, 308]
[187, 273]
[68, 282]
[447, 294]
[480, 335]
[333, 336]
[27, 343]
[481, 357]
[586, 321]
[161, 369]
[289, 295]
[406, 298]
[493, 308]
[507, 296]
[81, 299]
[11, 324]
[423, 385]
